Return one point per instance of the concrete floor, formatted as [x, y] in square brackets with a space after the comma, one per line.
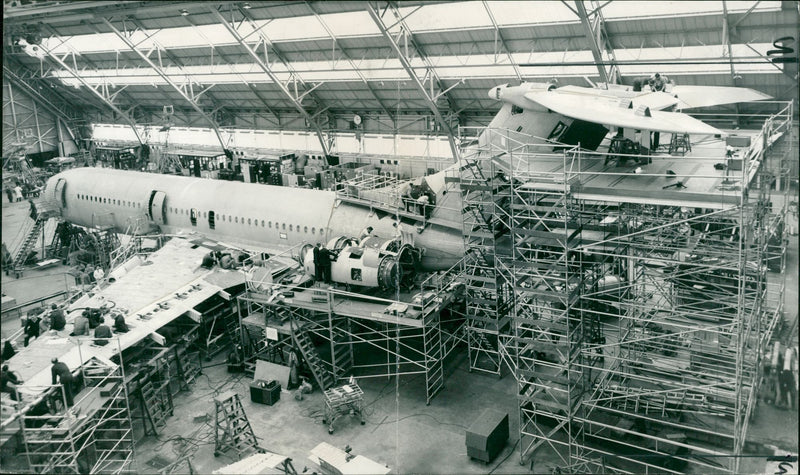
[400, 431]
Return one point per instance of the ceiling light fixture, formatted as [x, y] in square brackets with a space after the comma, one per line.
[246, 5]
[184, 12]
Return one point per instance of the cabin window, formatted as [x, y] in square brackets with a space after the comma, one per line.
[193, 216]
[263, 224]
[305, 229]
[290, 227]
[236, 219]
[249, 221]
[312, 230]
[170, 209]
[283, 225]
[211, 222]
[269, 223]
[204, 214]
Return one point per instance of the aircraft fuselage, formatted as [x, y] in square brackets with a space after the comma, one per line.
[266, 217]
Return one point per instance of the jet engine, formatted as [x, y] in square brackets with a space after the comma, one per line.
[374, 262]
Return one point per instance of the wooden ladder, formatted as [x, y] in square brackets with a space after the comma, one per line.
[232, 428]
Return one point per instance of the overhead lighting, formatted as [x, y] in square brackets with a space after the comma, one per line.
[246, 5]
[184, 12]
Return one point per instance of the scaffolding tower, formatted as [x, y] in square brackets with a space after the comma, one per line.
[94, 435]
[341, 333]
[638, 325]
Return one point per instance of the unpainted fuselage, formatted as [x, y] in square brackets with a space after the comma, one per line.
[262, 216]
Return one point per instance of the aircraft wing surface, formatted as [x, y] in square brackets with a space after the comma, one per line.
[704, 96]
[604, 112]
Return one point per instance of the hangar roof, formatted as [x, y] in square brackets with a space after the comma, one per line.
[390, 59]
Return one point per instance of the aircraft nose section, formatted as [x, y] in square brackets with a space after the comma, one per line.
[496, 93]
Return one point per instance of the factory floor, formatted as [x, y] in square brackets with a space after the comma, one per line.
[401, 431]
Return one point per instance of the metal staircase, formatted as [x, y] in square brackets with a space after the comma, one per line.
[325, 379]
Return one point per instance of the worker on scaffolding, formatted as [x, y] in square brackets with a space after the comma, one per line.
[80, 327]
[31, 326]
[57, 319]
[32, 212]
[62, 374]
[9, 382]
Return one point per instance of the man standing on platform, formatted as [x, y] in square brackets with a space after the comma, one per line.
[62, 374]
[325, 265]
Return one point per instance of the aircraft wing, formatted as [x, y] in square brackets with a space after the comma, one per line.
[704, 96]
[656, 100]
[607, 113]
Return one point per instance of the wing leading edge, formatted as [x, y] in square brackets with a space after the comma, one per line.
[607, 113]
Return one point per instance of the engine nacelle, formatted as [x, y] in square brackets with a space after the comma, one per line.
[375, 262]
[516, 94]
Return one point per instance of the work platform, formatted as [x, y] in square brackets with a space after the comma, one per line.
[342, 333]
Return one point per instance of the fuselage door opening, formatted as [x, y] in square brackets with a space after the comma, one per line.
[211, 220]
[158, 210]
[60, 192]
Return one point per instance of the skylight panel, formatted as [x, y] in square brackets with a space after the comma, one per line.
[445, 16]
[529, 13]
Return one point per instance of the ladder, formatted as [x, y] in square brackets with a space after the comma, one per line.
[30, 241]
[323, 377]
[156, 401]
[232, 428]
[680, 143]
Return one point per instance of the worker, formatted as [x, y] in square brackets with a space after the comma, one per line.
[235, 360]
[57, 320]
[32, 210]
[317, 267]
[7, 261]
[18, 193]
[89, 274]
[294, 369]
[95, 317]
[31, 326]
[62, 374]
[325, 265]
[9, 382]
[365, 234]
[98, 274]
[422, 204]
[786, 381]
[80, 327]
[657, 82]
[101, 334]
[119, 323]
[8, 350]
[9, 193]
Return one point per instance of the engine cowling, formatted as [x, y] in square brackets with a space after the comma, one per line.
[375, 262]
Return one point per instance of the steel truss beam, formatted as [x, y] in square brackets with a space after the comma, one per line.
[499, 36]
[186, 92]
[296, 101]
[597, 35]
[101, 91]
[430, 101]
[346, 56]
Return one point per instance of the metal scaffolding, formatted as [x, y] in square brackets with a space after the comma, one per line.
[94, 435]
[341, 333]
[638, 327]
